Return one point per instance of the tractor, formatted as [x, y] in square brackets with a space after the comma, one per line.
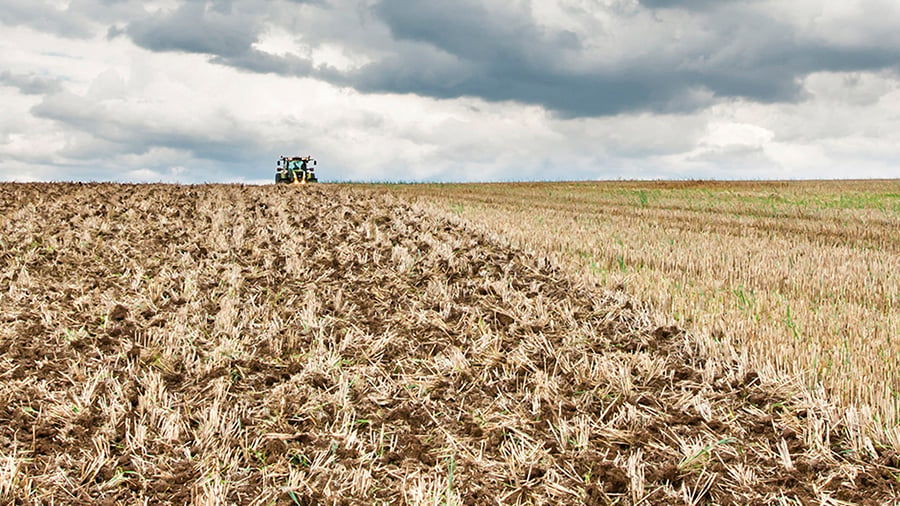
[295, 170]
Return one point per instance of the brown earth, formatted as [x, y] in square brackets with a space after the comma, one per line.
[331, 344]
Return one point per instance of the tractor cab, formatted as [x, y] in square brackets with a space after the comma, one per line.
[295, 170]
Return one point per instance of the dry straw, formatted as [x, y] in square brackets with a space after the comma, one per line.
[260, 345]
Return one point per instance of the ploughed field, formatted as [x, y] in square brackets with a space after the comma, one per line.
[333, 344]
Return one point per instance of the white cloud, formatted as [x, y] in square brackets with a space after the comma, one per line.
[723, 134]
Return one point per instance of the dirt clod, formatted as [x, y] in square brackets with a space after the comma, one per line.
[118, 313]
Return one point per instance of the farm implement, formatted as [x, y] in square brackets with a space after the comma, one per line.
[295, 170]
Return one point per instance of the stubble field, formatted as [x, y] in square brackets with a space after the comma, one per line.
[337, 345]
[802, 276]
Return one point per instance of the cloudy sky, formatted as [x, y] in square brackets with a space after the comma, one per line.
[463, 90]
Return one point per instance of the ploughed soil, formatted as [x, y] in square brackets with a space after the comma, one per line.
[334, 345]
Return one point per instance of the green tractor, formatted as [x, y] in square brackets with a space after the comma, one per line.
[295, 170]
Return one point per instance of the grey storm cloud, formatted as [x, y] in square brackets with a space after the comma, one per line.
[464, 48]
[466, 28]
[194, 28]
[497, 52]
[30, 84]
[224, 30]
[509, 58]
[690, 4]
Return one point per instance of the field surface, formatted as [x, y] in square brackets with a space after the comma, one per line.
[337, 345]
[803, 276]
